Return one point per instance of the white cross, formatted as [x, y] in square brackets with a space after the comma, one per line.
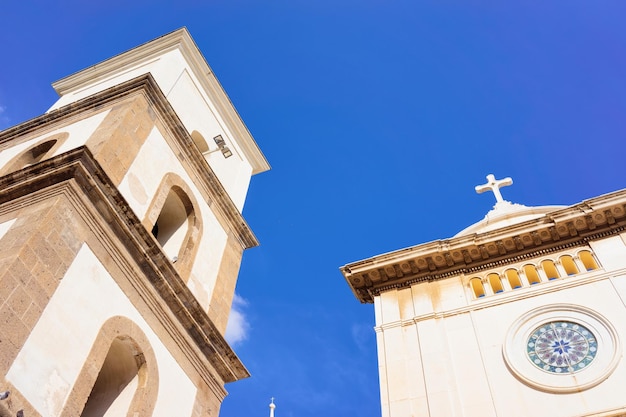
[494, 185]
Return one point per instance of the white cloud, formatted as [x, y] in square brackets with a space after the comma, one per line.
[238, 326]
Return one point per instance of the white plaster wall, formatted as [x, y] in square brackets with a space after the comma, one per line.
[442, 392]
[619, 283]
[421, 299]
[378, 311]
[389, 307]
[444, 352]
[164, 68]
[513, 398]
[49, 363]
[448, 294]
[5, 226]
[445, 358]
[139, 186]
[611, 252]
[197, 113]
[420, 294]
[78, 131]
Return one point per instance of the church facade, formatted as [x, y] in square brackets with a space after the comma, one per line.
[522, 314]
[121, 237]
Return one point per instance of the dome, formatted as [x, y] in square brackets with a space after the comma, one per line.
[504, 214]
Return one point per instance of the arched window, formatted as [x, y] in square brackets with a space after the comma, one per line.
[120, 376]
[35, 153]
[514, 279]
[117, 381]
[172, 224]
[587, 259]
[495, 283]
[531, 274]
[477, 287]
[550, 269]
[175, 221]
[568, 265]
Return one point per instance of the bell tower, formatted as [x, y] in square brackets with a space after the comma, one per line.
[520, 314]
[121, 237]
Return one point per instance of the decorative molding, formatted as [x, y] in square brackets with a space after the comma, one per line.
[563, 228]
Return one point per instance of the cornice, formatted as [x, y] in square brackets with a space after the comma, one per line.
[572, 226]
[179, 39]
[217, 197]
[97, 200]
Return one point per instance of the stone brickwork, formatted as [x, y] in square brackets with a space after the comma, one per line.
[119, 137]
[224, 290]
[206, 404]
[34, 256]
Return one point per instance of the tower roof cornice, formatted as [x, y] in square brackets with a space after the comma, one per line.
[148, 53]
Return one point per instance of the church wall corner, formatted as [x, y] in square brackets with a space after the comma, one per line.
[610, 252]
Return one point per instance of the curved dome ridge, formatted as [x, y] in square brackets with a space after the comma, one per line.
[504, 214]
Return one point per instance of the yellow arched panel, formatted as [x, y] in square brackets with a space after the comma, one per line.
[514, 279]
[495, 283]
[477, 287]
[587, 259]
[531, 274]
[569, 265]
[550, 269]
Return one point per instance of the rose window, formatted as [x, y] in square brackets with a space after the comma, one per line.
[561, 347]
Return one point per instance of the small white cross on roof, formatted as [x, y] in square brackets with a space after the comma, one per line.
[494, 185]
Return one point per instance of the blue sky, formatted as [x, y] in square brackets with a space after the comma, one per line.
[378, 118]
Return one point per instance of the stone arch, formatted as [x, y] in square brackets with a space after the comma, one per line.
[175, 221]
[35, 153]
[120, 373]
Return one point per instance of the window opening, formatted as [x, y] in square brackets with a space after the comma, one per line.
[550, 269]
[514, 279]
[531, 274]
[568, 265]
[587, 259]
[171, 226]
[117, 381]
[30, 156]
[477, 287]
[495, 283]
